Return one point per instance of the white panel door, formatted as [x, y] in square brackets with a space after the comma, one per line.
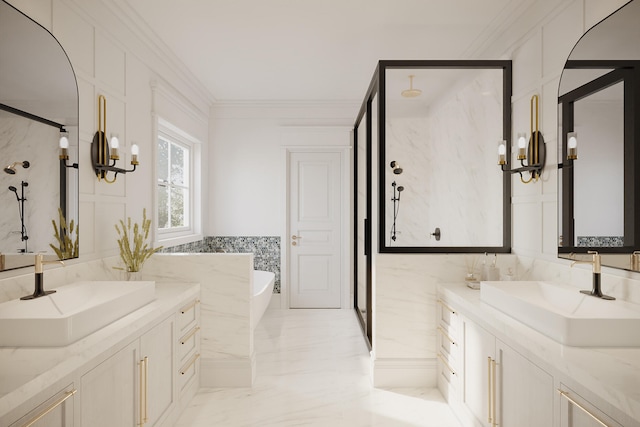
[315, 231]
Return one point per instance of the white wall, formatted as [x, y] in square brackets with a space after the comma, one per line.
[246, 160]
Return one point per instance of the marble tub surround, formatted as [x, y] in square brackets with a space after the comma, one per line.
[608, 374]
[228, 358]
[265, 250]
[26, 372]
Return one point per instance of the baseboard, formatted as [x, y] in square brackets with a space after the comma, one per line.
[398, 373]
[227, 372]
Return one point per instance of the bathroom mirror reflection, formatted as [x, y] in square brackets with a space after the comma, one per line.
[38, 98]
[598, 100]
[442, 124]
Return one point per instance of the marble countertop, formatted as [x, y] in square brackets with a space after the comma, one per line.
[25, 372]
[613, 373]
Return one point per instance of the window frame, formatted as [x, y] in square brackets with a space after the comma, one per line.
[190, 233]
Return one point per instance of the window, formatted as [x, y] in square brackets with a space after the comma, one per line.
[174, 160]
[176, 167]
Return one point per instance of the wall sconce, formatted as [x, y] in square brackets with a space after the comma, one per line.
[64, 149]
[105, 156]
[533, 155]
[572, 146]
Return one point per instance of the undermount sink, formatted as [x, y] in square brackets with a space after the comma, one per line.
[565, 315]
[71, 313]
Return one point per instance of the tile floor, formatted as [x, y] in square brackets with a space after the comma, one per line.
[313, 370]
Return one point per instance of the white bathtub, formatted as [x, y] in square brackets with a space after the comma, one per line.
[263, 282]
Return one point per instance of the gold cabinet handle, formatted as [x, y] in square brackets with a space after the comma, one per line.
[446, 335]
[442, 303]
[186, 367]
[494, 414]
[489, 393]
[444, 361]
[144, 389]
[585, 410]
[190, 306]
[189, 335]
[51, 408]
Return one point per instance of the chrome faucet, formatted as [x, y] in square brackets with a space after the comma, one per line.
[39, 284]
[596, 291]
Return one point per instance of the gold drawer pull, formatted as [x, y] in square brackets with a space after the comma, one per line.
[585, 410]
[189, 364]
[189, 335]
[446, 335]
[51, 408]
[444, 361]
[442, 303]
[190, 306]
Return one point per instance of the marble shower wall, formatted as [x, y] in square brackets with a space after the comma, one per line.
[265, 250]
[450, 178]
[23, 139]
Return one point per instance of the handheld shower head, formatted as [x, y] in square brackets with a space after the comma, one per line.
[11, 169]
[400, 188]
[15, 191]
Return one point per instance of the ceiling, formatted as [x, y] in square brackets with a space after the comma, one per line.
[310, 51]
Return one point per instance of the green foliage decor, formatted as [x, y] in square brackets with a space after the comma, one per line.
[66, 247]
[134, 250]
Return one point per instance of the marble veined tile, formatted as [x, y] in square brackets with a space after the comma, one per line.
[313, 370]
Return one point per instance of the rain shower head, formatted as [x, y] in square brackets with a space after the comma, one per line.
[11, 169]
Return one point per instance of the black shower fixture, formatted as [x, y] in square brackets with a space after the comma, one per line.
[396, 167]
[21, 199]
[397, 189]
[11, 169]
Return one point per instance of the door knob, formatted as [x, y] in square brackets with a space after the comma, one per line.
[294, 237]
[293, 243]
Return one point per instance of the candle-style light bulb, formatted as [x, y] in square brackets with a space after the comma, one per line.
[572, 146]
[64, 145]
[115, 144]
[135, 150]
[502, 152]
[522, 146]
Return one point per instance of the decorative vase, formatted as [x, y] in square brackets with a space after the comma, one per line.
[132, 275]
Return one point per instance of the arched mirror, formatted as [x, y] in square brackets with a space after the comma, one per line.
[599, 128]
[38, 107]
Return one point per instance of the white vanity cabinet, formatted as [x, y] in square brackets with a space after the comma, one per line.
[54, 411]
[501, 387]
[134, 386]
[576, 411]
[512, 376]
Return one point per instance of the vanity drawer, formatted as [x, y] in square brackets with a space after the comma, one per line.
[448, 347]
[188, 317]
[188, 345]
[448, 317]
[188, 372]
[448, 376]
